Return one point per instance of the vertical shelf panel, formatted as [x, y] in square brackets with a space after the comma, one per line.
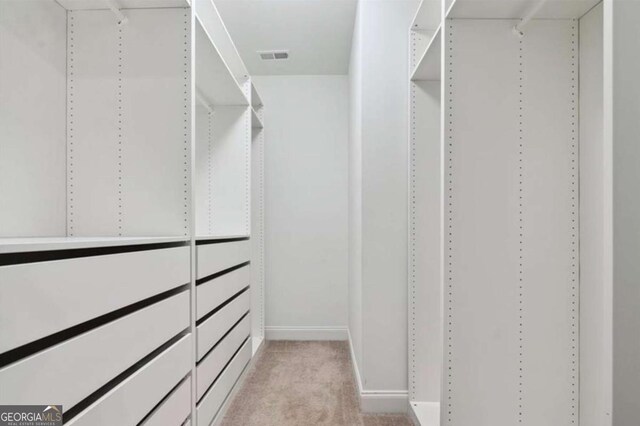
[92, 117]
[204, 179]
[257, 230]
[155, 89]
[32, 119]
[511, 224]
[127, 175]
[481, 219]
[425, 250]
[550, 206]
[231, 164]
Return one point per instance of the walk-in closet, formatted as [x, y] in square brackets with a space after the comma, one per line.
[319, 212]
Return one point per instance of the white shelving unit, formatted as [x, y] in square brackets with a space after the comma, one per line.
[126, 163]
[506, 113]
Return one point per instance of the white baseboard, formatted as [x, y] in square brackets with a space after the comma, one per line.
[377, 401]
[306, 333]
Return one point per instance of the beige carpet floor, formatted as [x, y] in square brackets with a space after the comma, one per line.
[302, 384]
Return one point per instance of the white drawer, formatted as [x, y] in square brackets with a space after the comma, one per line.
[216, 326]
[174, 410]
[212, 294]
[42, 298]
[213, 400]
[77, 367]
[212, 364]
[216, 257]
[131, 400]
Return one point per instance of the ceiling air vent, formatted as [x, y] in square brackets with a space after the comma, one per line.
[272, 55]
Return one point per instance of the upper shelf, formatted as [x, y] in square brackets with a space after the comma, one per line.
[210, 19]
[428, 67]
[518, 9]
[428, 16]
[214, 79]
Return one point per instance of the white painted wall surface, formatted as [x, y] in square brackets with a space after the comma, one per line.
[306, 190]
[379, 77]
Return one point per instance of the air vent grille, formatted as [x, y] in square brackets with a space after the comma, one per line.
[274, 55]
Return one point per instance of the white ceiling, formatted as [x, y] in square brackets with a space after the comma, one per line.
[317, 34]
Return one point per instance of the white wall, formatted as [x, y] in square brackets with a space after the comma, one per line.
[306, 190]
[379, 79]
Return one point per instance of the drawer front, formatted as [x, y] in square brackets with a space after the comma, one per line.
[39, 299]
[213, 400]
[79, 366]
[174, 410]
[213, 258]
[216, 326]
[130, 401]
[212, 364]
[214, 293]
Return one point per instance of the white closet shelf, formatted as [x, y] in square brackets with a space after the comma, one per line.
[123, 4]
[517, 9]
[210, 20]
[256, 100]
[427, 413]
[427, 17]
[214, 80]
[21, 245]
[428, 67]
[256, 123]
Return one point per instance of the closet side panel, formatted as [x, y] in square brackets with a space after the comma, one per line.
[93, 136]
[32, 119]
[156, 119]
[257, 235]
[425, 297]
[204, 171]
[549, 209]
[593, 347]
[481, 298]
[128, 123]
[232, 168]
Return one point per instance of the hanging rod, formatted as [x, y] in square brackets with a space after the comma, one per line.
[518, 29]
[203, 101]
[115, 8]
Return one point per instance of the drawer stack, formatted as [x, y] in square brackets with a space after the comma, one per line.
[223, 325]
[102, 331]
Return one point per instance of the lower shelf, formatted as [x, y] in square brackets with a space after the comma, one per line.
[426, 413]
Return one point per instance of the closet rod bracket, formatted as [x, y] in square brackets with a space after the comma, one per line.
[115, 8]
[518, 29]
